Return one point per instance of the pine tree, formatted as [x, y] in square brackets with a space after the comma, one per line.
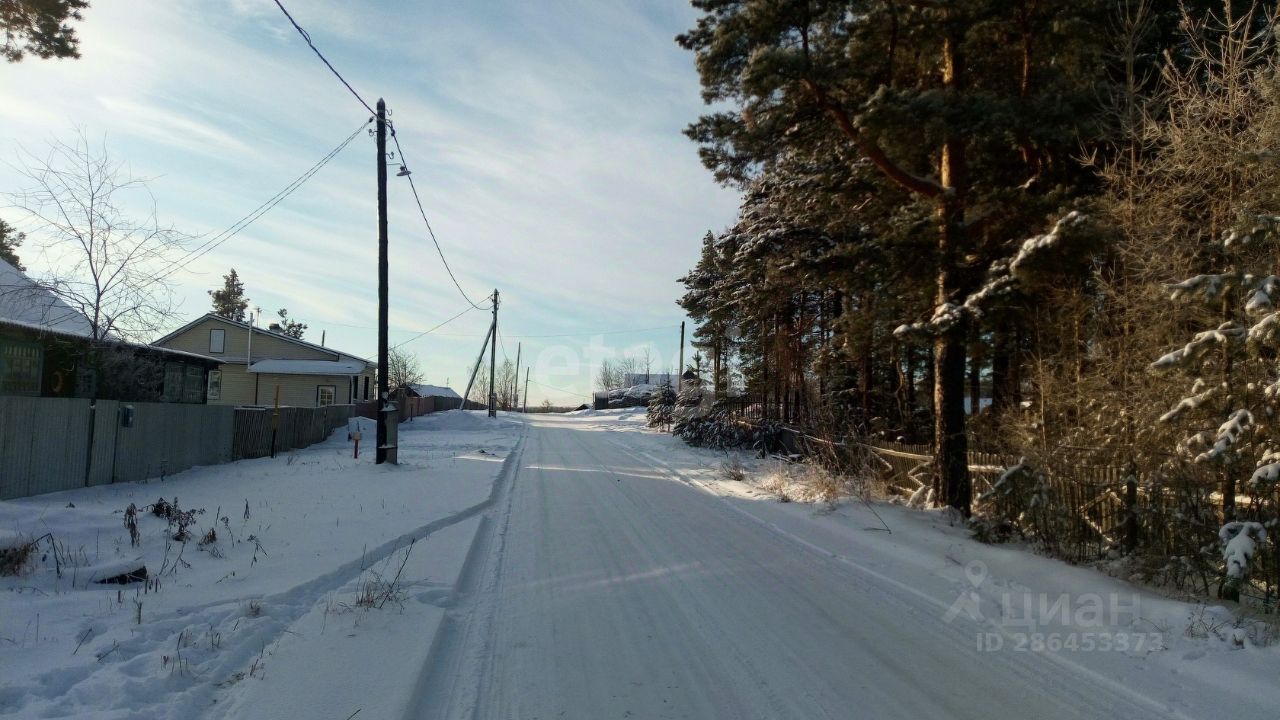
[289, 327]
[39, 27]
[229, 300]
[973, 130]
[10, 239]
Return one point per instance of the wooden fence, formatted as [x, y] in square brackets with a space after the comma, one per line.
[1080, 511]
[297, 428]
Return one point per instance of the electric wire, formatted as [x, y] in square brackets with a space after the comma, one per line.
[306, 36]
[244, 222]
[400, 151]
[421, 211]
[437, 327]
[560, 390]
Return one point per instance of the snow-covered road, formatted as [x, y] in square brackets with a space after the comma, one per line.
[611, 584]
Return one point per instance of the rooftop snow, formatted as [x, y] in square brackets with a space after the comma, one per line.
[25, 302]
[307, 367]
[434, 391]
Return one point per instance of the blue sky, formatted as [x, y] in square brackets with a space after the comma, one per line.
[544, 139]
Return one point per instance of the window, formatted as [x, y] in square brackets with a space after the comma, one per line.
[217, 340]
[193, 384]
[366, 387]
[325, 395]
[173, 374]
[215, 385]
[21, 364]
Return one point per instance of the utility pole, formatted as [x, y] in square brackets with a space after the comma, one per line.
[526, 391]
[493, 359]
[381, 450]
[515, 382]
[680, 367]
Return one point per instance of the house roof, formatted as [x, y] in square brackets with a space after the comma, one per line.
[26, 303]
[307, 367]
[434, 391]
[342, 357]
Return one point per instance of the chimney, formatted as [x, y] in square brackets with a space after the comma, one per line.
[275, 327]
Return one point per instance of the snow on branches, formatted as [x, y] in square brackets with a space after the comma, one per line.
[1037, 255]
[1229, 434]
[1239, 543]
[1200, 345]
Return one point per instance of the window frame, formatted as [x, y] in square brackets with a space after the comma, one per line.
[333, 395]
[214, 388]
[221, 334]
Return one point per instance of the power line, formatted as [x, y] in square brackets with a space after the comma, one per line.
[560, 390]
[577, 334]
[306, 36]
[437, 327]
[244, 222]
[323, 59]
[409, 176]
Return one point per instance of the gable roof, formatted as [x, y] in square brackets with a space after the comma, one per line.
[343, 357]
[26, 303]
[434, 391]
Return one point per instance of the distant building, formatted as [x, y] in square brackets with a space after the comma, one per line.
[253, 362]
[432, 391]
[633, 379]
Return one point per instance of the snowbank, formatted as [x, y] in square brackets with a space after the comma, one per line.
[295, 540]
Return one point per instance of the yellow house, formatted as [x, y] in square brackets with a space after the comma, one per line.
[256, 362]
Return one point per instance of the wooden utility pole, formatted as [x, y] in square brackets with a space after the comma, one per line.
[381, 450]
[493, 359]
[526, 390]
[515, 382]
[680, 367]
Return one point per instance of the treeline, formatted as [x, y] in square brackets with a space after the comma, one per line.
[983, 222]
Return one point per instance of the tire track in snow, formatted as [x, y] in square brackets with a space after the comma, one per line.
[1118, 691]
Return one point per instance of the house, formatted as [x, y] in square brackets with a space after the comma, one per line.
[633, 379]
[431, 391]
[438, 397]
[49, 349]
[253, 363]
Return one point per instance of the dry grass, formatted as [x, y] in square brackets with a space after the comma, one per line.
[13, 559]
[733, 469]
[778, 484]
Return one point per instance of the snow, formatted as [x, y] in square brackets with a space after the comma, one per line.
[626, 579]
[582, 565]
[435, 391]
[24, 302]
[263, 622]
[1239, 541]
[307, 367]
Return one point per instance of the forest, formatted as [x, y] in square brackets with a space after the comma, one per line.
[1043, 228]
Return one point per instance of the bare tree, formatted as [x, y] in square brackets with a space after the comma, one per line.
[646, 362]
[403, 368]
[606, 376]
[107, 265]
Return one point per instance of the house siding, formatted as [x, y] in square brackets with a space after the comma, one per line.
[266, 346]
[241, 387]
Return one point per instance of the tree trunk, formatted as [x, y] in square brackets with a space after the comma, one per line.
[950, 453]
[975, 383]
[1001, 377]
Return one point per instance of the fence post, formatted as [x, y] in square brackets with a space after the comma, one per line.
[1131, 508]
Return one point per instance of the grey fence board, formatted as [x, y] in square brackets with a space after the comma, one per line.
[52, 444]
[167, 438]
[43, 445]
[106, 423]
